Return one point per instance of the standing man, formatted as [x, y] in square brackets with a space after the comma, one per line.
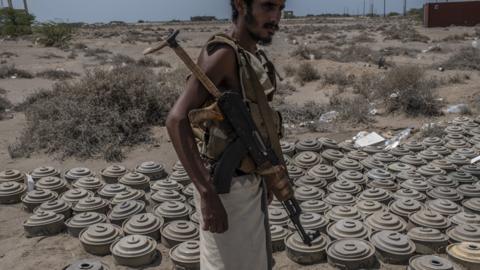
[234, 226]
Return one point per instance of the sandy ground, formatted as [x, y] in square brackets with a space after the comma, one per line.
[19, 252]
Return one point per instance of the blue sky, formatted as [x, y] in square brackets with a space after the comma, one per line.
[155, 10]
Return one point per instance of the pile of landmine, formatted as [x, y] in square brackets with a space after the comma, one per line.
[403, 206]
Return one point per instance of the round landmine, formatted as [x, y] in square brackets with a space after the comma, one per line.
[475, 141]
[73, 196]
[430, 170]
[44, 171]
[301, 253]
[91, 204]
[465, 218]
[172, 210]
[431, 141]
[343, 212]
[407, 175]
[89, 183]
[278, 234]
[186, 255]
[288, 148]
[338, 198]
[344, 186]
[369, 207]
[188, 191]
[457, 159]
[475, 131]
[81, 221]
[166, 184]
[165, 195]
[295, 172]
[354, 177]
[370, 163]
[12, 176]
[11, 192]
[305, 193]
[112, 173]
[460, 120]
[398, 167]
[429, 262]
[466, 254]
[58, 206]
[405, 193]
[447, 193]
[328, 143]
[97, 238]
[464, 233]
[178, 166]
[123, 211]
[307, 159]
[442, 181]
[376, 194]
[462, 177]
[467, 152]
[153, 170]
[443, 207]
[315, 206]
[404, 207]
[332, 155]
[348, 164]
[416, 184]
[347, 146]
[445, 165]
[400, 151]
[454, 130]
[414, 146]
[413, 160]
[134, 250]
[430, 219]
[136, 181]
[357, 155]
[86, 264]
[43, 223]
[380, 221]
[469, 191]
[278, 216]
[373, 149]
[348, 228]
[429, 155]
[379, 174]
[191, 203]
[178, 231]
[181, 177]
[386, 158]
[128, 195]
[351, 254]
[308, 145]
[311, 181]
[311, 221]
[52, 183]
[428, 240]
[34, 198]
[385, 184]
[472, 205]
[323, 171]
[393, 247]
[473, 169]
[288, 160]
[457, 144]
[195, 217]
[76, 173]
[441, 150]
[110, 190]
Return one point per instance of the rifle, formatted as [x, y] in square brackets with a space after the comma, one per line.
[232, 110]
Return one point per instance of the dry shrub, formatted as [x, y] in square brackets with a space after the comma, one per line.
[399, 51]
[284, 89]
[306, 72]
[148, 61]
[56, 74]
[289, 70]
[119, 59]
[98, 115]
[339, 78]
[405, 33]
[465, 59]
[355, 110]
[54, 34]
[433, 131]
[4, 102]
[357, 54]
[7, 71]
[50, 56]
[306, 52]
[98, 53]
[363, 37]
[296, 114]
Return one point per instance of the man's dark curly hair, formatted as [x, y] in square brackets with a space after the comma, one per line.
[234, 9]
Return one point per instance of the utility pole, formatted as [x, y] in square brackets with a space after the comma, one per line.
[404, 7]
[364, 8]
[25, 6]
[10, 4]
[384, 8]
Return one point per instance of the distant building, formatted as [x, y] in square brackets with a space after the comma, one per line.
[203, 18]
[288, 14]
[466, 13]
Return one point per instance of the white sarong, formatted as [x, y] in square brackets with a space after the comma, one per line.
[246, 244]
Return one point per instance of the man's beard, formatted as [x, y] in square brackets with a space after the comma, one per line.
[250, 19]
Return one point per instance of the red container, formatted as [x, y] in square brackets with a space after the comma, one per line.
[452, 13]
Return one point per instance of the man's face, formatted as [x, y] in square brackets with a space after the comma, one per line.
[262, 19]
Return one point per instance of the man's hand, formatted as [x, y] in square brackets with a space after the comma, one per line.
[215, 217]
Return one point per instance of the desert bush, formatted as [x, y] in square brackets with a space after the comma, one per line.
[119, 59]
[465, 59]
[284, 89]
[15, 22]
[54, 34]
[354, 110]
[295, 113]
[7, 54]
[433, 130]
[355, 53]
[148, 61]
[399, 51]
[362, 38]
[7, 71]
[306, 72]
[80, 46]
[306, 52]
[405, 33]
[96, 116]
[4, 103]
[56, 74]
[339, 78]
[50, 56]
[289, 70]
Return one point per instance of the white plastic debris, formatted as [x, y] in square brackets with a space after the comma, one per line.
[328, 116]
[475, 160]
[394, 95]
[369, 139]
[397, 139]
[458, 108]
[30, 183]
[476, 43]
[312, 57]
[431, 48]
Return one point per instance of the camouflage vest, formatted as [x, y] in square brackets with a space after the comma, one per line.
[216, 138]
